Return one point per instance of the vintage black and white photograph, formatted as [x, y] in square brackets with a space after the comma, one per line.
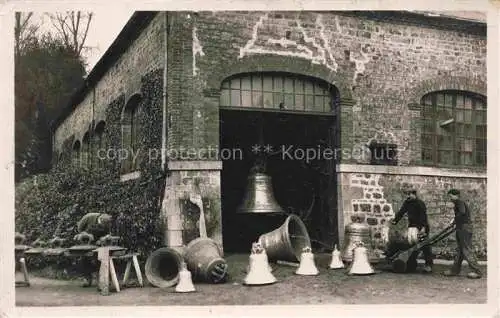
[251, 157]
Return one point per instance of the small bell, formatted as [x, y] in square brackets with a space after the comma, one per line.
[185, 284]
[259, 272]
[336, 262]
[360, 264]
[307, 266]
[412, 235]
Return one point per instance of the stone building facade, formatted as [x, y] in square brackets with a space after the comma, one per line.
[382, 100]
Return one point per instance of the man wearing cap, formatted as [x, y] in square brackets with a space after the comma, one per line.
[417, 222]
[463, 222]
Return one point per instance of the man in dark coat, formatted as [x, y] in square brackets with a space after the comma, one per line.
[463, 222]
[417, 218]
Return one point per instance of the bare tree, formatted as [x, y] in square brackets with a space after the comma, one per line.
[24, 30]
[72, 27]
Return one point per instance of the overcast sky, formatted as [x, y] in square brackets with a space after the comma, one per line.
[103, 29]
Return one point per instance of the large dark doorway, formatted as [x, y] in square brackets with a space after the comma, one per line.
[299, 185]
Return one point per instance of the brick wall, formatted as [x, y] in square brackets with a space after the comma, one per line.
[382, 66]
[379, 196]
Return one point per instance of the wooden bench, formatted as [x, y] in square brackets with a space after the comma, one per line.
[107, 269]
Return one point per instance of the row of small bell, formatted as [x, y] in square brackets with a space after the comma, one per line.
[360, 264]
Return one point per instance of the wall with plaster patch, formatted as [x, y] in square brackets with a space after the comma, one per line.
[380, 62]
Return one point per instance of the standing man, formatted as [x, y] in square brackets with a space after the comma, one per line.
[463, 222]
[417, 221]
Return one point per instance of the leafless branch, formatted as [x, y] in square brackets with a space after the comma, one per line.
[72, 27]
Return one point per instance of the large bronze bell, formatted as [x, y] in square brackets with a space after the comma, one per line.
[259, 197]
[286, 242]
[355, 232]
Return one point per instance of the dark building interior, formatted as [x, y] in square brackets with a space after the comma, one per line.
[301, 186]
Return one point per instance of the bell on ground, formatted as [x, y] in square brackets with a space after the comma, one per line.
[307, 265]
[162, 267]
[185, 284]
[286, 242]
[204, 259]
[259, 272]
[360, 264]
[358, 231]
[259, 197]
[336, 262]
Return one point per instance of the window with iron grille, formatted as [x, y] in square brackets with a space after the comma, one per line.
[454, 129]
[279, 91]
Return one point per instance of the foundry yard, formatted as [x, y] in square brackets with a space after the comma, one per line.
[329, 287]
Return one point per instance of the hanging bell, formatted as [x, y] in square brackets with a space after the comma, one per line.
[358, 231]
[259, 272]
[185, 284]
[360, 264]
[259, 197]
[336, 262]
[307, 265]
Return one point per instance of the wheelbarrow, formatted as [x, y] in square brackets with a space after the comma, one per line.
[399, 259]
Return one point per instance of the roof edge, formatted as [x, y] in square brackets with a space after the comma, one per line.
[137, 22]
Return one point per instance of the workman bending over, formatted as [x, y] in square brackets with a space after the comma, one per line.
[97, 224]
[417, 221]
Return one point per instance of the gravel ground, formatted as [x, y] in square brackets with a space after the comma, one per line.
[329, 287]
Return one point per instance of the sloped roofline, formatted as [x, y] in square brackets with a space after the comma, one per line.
[137, 22]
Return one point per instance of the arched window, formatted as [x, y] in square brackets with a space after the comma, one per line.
[279, 91]
[85, 153]
[454, 129]
[98, 144]
[130, 133]
[75, 160]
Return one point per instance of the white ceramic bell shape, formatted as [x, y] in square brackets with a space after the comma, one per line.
[185, 284]
[360, 263]
[259, 272]
[412, 235]
[307, 265]
[336, 262]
